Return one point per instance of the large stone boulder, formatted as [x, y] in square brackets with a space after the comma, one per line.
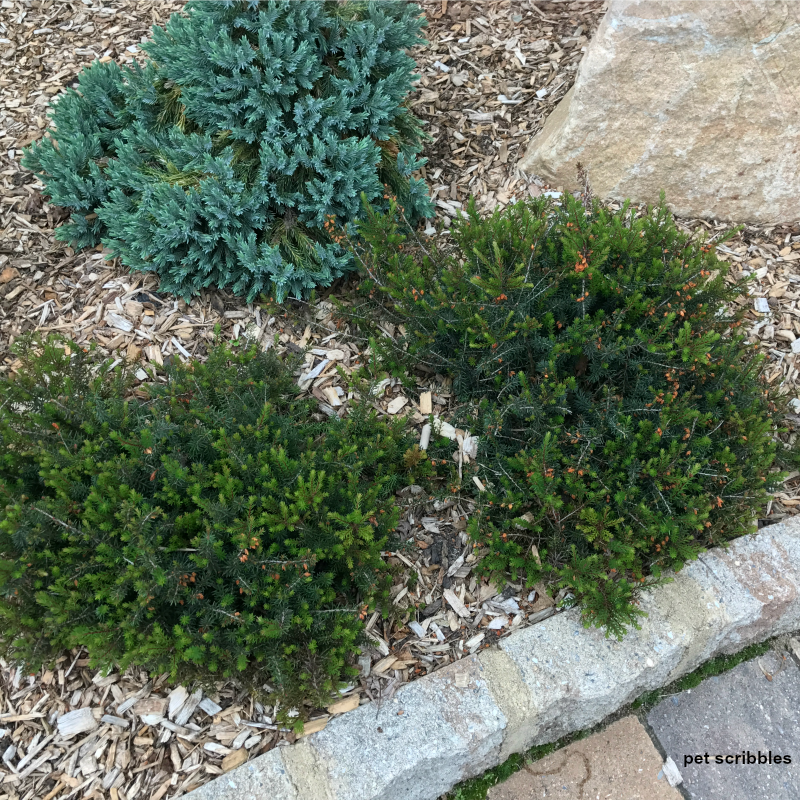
[698, 98]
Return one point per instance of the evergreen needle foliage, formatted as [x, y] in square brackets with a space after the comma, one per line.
[212, 526]
[624, 424]
[225, 160]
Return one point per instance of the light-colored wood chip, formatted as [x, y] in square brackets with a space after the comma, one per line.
[314, 726]
[397, 404]
[74, 722]
[426, 403]
[456, 604]
[384, 664]
[347, 704]
[234, 759]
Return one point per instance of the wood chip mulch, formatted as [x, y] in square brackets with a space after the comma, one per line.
[72, 732]
[490, 74]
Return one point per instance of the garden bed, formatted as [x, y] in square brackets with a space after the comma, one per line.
[491, 73]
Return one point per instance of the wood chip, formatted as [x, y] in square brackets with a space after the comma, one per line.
[120, 322]
[118, 722]
[209, 706]
[234, 759]
[396, 404]
[176, 698]
[426, 403]
[188, 707]
[332, 396]
[78, 721]
[384, 664]
[8, 274]
[456, 604]
[672, 773]
[20, 717]
[214, 747]
[425, 437]
[314, 725]
[153, 707]
[347, 704]
[442, 428]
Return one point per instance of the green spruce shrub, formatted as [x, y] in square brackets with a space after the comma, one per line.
[208, 525]
[252, 126]
[622, 418]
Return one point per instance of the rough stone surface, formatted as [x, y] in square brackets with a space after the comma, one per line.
[696, 98]
[736, 712]
[756, 585]
[431, 735]
[767, 567]
[508, 689]
[264, 778]
[690, 621]
[575, 677]
[619, 762]
[306, 773]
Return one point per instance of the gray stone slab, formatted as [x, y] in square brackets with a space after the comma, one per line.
[735, 713]
[573, 677]
[431, 735]
[264, 778]
[757, 582]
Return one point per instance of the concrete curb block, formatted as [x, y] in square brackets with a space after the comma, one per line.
[538, 685]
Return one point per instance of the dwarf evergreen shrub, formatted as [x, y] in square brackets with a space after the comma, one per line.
[624, 424]
[223, 161]
[212, 525]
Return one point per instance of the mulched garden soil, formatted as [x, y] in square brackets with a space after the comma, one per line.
[490, 74]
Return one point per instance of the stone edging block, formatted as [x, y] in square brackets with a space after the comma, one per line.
[538, 685]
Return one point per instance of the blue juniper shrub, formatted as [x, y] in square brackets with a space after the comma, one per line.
[252, 124]
[623, 420]
[208, 525]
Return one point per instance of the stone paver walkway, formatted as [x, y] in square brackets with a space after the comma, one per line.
[733, 737]
[619, 763]
[730, 737]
